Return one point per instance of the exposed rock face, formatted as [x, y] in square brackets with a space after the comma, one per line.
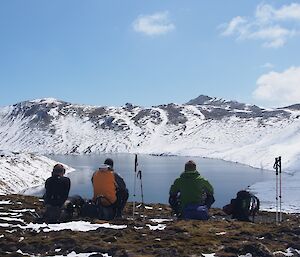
[204, 126]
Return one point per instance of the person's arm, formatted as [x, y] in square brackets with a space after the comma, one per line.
[120, 182]
[208, 187]
[174, 195]
[173, 188]
[173, 192]
[45, 196]
[67, 186]
[210, 194]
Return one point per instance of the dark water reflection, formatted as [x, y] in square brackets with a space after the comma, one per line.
[159, 173]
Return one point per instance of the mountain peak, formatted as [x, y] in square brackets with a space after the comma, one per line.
[207, 100]
[47, 100]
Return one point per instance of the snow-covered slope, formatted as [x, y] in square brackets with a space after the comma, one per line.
[19, 171]
[204, 126]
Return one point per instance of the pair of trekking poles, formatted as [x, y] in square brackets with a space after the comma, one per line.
[277, 167]
[137, 175]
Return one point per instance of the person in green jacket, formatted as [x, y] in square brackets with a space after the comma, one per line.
[191, 195]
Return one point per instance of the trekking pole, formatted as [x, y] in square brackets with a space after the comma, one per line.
[142, 193]
[276, 169]
[134, 186]
[280, 196]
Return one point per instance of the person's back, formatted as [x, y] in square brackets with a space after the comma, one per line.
[57, 192]
[191, 195]
[104, 185]
[57, 187]
[109, 188]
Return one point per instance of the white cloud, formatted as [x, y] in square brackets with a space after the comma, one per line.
[281, 88]
[155, 24]
[288, 12]
[268, 25]
[266, 13]
[234, 26]
[267, 65]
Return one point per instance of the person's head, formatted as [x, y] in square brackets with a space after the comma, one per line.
[190, 166]
[58, 170]
[109, 162]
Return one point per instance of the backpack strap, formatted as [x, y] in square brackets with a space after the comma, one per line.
[255, 204]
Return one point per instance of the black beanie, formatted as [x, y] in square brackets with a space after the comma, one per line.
[109, 162]
[190, 166]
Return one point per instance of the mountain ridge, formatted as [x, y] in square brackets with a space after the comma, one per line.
[204, 126]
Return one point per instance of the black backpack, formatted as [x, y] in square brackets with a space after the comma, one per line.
[70, 209]
[52, 214]
[243, 206]
[95, 209]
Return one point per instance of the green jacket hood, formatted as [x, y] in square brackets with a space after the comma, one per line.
[190, 174]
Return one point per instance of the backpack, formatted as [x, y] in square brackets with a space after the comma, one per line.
[244, 205]
[89, 209]
[52, 214]
[72, 207]
[95, 209]
[56, 214]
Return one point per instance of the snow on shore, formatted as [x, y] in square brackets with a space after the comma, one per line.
[19, 171]
[266, 192]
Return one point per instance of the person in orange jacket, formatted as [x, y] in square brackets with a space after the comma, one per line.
[109, 187]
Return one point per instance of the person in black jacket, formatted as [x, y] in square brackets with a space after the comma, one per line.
[57, 187]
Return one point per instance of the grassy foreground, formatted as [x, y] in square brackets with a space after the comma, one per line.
[219, 235]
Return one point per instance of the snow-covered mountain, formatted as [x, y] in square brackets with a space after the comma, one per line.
[19, 171]
[204, 126]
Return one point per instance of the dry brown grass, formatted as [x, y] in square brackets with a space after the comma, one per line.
[220, 234]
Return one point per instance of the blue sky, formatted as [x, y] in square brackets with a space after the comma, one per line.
[150, 52]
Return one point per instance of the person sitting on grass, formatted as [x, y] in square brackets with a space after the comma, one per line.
[57, 187]
[191, 195]
[109, 188]
[57, 191]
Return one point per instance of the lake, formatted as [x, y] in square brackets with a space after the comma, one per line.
[159, 172]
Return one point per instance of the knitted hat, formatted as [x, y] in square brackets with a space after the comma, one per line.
[58, 169]
[109, 162]
[190, 166]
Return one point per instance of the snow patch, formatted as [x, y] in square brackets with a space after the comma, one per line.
[160, 220]
[82, 226]
[5, 202]
[157, 227]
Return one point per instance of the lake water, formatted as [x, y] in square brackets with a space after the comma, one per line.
[159, 172]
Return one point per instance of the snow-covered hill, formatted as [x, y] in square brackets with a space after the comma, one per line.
[19, 171]
[204, 126]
